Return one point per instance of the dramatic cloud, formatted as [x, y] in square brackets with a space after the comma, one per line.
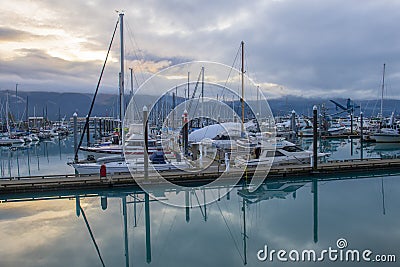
[308, 47]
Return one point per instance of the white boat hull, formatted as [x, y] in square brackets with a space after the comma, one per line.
[335, 131]
[300, 158]
[10, 141]
[122, 167]
[386, 138]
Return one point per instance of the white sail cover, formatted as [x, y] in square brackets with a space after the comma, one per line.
[212, 131]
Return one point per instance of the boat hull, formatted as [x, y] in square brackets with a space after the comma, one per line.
[122, 167]
[10, 142]
[386, 138]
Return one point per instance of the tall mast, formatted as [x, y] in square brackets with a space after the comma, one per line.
[242, 97]
[16, 103]
[188, 81]
[27, 112]
[202, 95]
[7, 122]
[131, 94]
[383, 88]
[122, 76]
[258, 101]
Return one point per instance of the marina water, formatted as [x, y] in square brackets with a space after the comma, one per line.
[305, 214]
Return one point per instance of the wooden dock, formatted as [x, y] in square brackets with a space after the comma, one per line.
[72, 182]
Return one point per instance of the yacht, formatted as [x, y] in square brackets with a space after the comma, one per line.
[118, 164]
[388, 131]
[133, 145]
[7, 141]
[281, 152]
[386, 135]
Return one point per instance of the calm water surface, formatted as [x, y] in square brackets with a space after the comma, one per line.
[307, 214]
[50, 157]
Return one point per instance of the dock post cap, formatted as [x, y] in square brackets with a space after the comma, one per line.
[314, 107]
[293, 111]
[361, 112]
[75, 114]
[145, 108]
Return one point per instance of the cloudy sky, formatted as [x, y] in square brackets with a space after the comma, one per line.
[293, 47]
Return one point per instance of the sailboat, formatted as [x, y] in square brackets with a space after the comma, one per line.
[7, 140]
[117, 163]
[388, 133]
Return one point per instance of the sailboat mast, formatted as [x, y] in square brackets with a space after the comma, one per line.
[258, 100]
[27, 112]
[131, 93]
[16, 103]
[383, 88]
[242, 97]
[202, 96]
[122, 76]
[7, 122]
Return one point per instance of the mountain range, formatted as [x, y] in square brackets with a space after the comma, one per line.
[54, 105]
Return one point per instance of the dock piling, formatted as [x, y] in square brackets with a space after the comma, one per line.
[146, 141]
[351, 123]
[185, 122]
[293, 121]
[361, 136]
[147, 226]
[75, 116]
[88, 131]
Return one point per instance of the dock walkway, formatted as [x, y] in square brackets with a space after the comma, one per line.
[71, 182]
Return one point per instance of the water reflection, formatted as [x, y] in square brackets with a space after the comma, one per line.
[124, 226]
[37, 158]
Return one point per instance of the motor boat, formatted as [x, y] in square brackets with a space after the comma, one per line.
[280, 152]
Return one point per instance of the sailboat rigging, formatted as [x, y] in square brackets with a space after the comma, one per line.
[8, 140]
[86, 127]
[116, 163]
[388, 133]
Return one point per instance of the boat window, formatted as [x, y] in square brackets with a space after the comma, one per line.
[292, 149]
[270, 154]
[152, 143]
[278, 154]
[222, 137]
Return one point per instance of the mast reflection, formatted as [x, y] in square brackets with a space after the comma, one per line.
[277, 189]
